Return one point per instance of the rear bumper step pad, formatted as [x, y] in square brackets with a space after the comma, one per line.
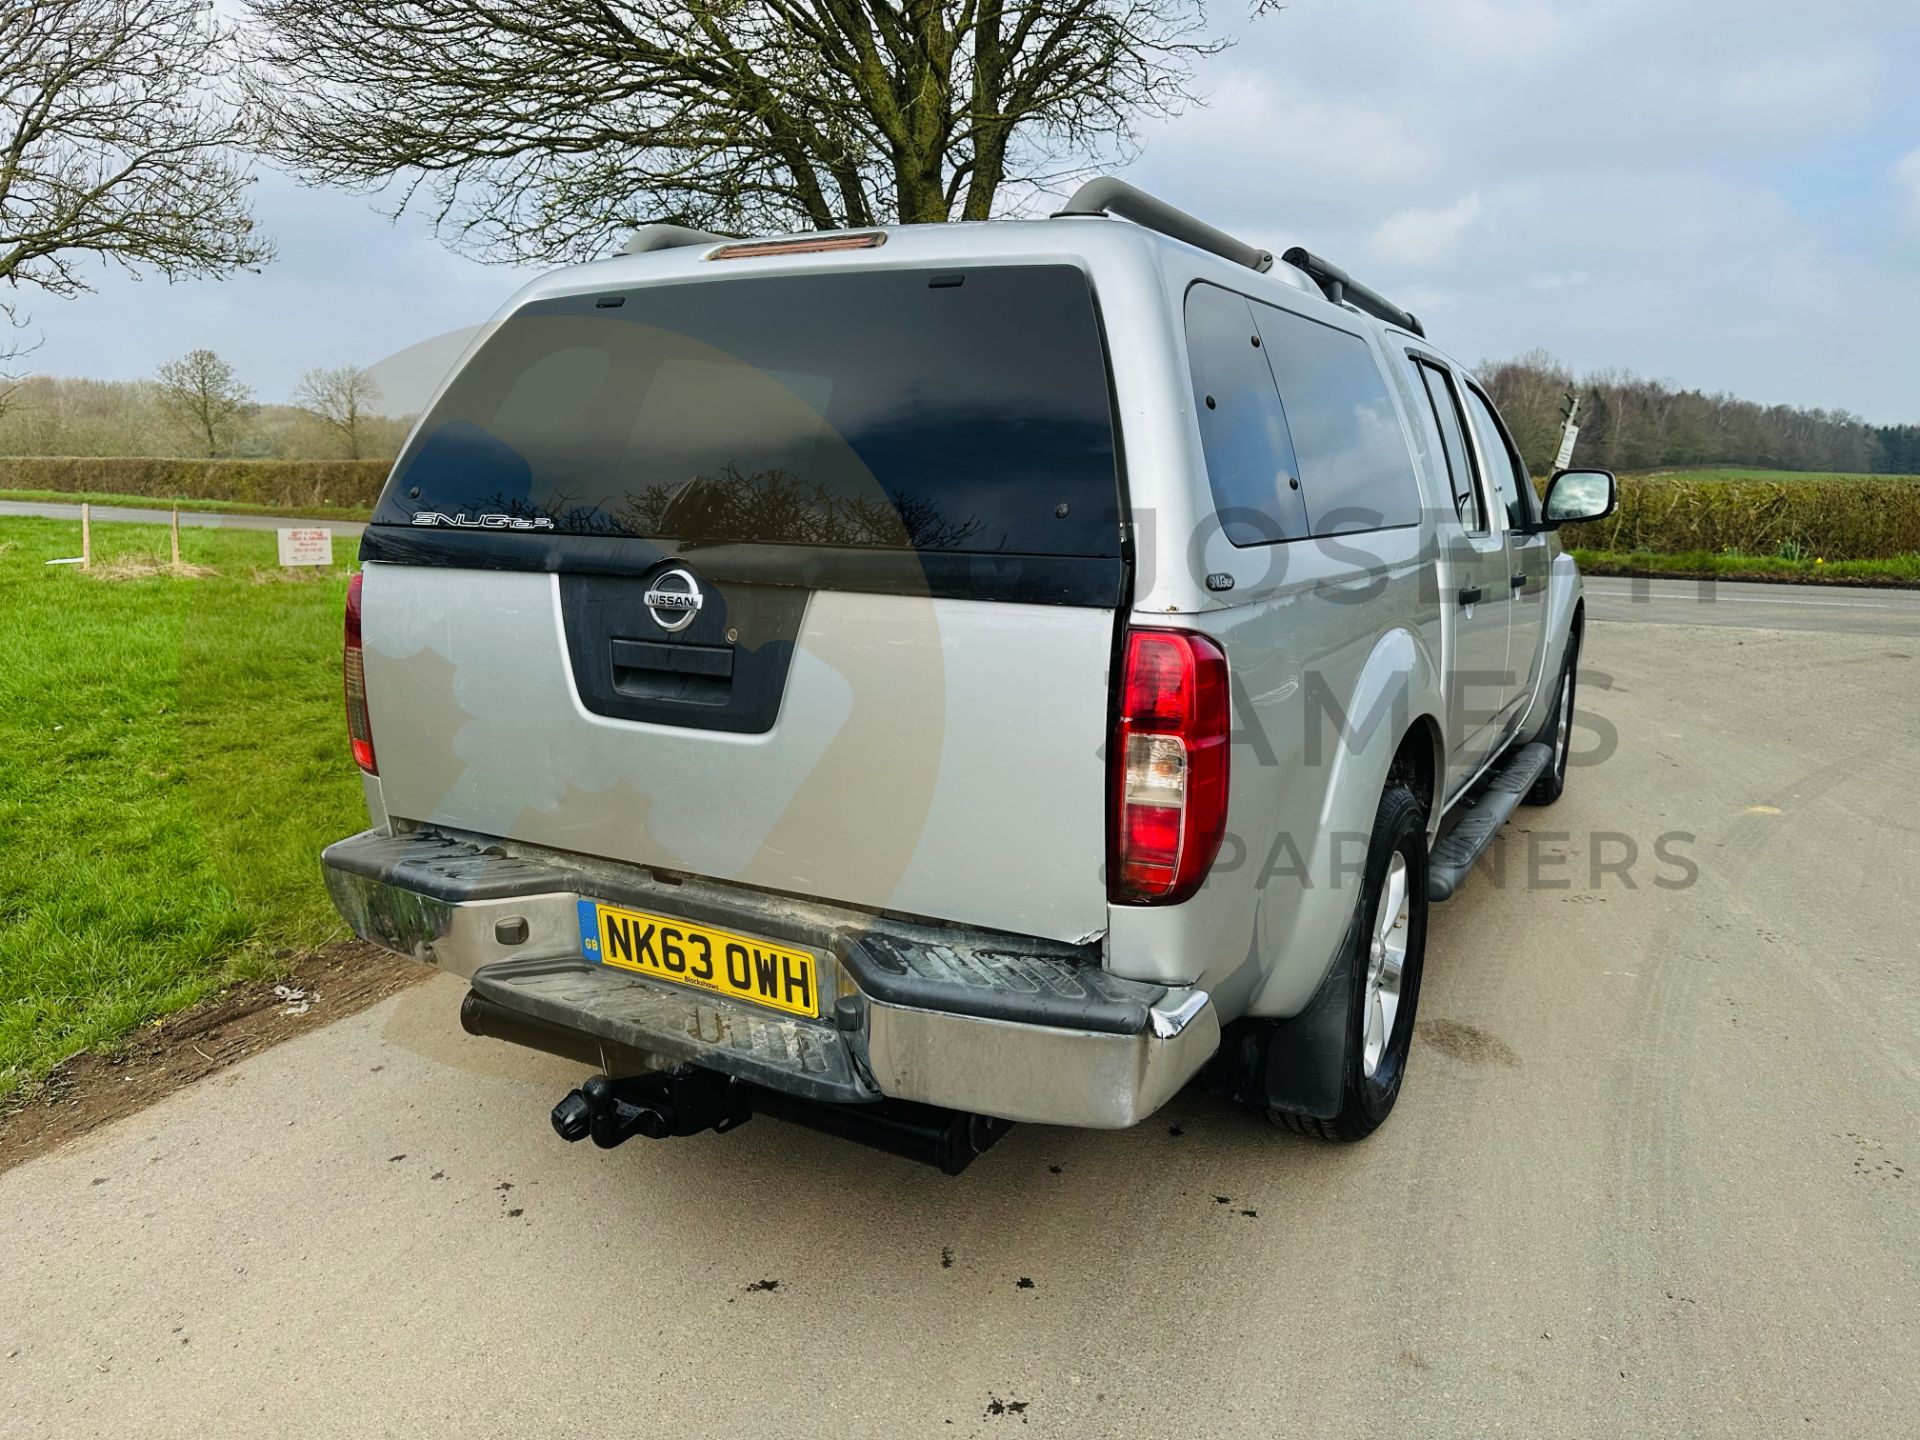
[801, 1057]
[1023, 1029]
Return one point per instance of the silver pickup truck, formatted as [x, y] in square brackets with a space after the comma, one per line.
[915, 680]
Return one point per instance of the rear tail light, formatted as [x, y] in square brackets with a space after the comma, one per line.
[354, 667]
[1170, 747]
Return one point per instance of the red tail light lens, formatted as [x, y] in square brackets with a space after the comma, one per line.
[354, 667]
[1169, 758]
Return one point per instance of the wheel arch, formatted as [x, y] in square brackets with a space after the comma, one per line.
[1420, 760]
[1388, 719]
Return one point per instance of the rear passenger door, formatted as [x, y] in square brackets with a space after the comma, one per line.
[1478, 688]
[1527, 557]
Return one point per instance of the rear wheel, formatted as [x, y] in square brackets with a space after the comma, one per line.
[1384, 955]
[1558, 731]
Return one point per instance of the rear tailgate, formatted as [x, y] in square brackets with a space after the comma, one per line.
[804, 582]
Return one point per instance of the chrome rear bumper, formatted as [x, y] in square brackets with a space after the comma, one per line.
[1020, 1029]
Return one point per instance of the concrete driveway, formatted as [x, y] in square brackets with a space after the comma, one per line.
[1654, 1172]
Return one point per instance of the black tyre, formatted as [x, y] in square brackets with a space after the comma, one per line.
[1382, 961]
[1558, 729]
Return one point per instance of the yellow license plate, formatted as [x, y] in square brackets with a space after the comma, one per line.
[698, 955]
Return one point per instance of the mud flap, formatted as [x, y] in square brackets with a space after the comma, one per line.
[1298, 1065]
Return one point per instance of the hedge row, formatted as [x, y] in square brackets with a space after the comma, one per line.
[1833, 519]
[353, 484]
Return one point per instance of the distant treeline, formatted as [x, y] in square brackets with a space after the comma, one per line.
[55, 415]
[1627, 423]
[300, 484]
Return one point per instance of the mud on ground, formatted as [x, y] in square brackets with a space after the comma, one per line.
[89, 1090]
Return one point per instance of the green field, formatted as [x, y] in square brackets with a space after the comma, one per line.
[1901, 570]
[184, 502]
[175, 760]
[1735, 472]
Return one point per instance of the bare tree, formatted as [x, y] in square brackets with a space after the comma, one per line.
[543, 131]
[12, 349]
[341, 398]
[114, 145]
[201, 391]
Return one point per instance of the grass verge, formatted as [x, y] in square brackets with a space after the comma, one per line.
[217, 507]
[1902, 571]
[174, 765]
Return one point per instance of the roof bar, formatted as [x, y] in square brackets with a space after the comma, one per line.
[668, 237]
[1108, 196]
[1340, 287]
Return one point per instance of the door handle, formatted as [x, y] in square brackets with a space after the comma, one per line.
[1518, 581]
[1469, 594]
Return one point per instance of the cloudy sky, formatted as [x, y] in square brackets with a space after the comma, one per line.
[1725, 193]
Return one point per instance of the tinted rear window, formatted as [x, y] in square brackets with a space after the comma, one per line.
[964, 411]
[1243, 430]
[1354, 462]
[1299, 433]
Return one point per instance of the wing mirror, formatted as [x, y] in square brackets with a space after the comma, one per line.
[1576, 495]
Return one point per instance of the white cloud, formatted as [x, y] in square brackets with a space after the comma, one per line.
[1525, 33]
[1258, 129]
[1549, 281]
[1832, 85]
[1906, 175]
[1420, 239]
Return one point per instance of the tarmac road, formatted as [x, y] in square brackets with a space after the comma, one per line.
[1654, 1172]
[196, 519]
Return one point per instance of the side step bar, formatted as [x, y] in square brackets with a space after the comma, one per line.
[1453, 857]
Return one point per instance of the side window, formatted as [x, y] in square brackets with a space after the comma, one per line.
[1509, 475]
[1354, 462]
[1243, 431]
[1444, 406]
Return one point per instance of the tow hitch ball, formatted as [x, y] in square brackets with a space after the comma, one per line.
[687, 1101]
[656, 1106]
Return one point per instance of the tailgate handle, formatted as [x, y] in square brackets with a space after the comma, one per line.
[676, 674]
[712, 661]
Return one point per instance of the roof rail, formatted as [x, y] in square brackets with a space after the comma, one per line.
[668, 237]
[1340, 287]
[1108, 196]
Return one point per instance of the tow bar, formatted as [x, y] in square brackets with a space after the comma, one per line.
[688, 1101]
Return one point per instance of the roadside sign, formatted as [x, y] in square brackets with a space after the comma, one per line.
[1560, 461]
[306, 547]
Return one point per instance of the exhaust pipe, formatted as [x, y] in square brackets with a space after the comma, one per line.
[689, 1101]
